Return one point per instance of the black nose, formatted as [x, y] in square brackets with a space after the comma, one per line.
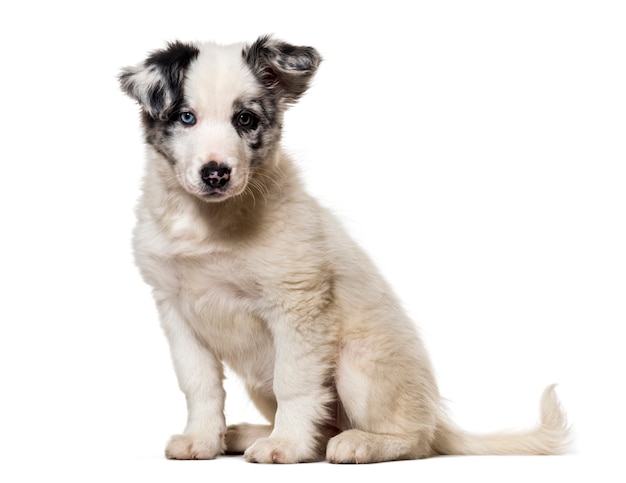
[215, 175]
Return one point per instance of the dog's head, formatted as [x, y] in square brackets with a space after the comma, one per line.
[215, 112]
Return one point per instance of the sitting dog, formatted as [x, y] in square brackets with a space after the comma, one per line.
[248, 270]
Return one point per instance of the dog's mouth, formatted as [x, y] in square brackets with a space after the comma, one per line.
[214, 182]
[214, 194]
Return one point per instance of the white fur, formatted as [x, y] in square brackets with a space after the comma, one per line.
[267, 281]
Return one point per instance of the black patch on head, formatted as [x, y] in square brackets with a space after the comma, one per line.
[157, 133]
[285, 70]
[262, 135]
[157, 83]
[176, 56]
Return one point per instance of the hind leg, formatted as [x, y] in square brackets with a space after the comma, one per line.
[239, 437]
[390, 400]
[357, 446]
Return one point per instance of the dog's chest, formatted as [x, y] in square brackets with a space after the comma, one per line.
[229, 290]
[217, 294]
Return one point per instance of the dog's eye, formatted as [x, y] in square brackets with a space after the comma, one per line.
[187, 118]
[247, 120]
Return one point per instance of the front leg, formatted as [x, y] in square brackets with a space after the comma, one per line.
[302, 374]
[200, 375]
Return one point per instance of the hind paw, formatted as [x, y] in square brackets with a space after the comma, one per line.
[239, 437]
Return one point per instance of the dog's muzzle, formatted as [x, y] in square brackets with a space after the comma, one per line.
[215, 175]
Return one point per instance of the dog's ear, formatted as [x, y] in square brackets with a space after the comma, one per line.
[156, 84]
[285, 69]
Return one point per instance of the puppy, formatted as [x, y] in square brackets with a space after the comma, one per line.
[248, 270]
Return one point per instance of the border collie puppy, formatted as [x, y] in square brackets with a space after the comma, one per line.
[250, 271]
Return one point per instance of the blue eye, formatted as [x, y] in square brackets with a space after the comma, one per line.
[187, 118]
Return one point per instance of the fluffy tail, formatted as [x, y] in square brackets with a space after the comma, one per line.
[550, 436]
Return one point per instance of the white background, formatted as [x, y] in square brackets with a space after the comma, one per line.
[476, 149]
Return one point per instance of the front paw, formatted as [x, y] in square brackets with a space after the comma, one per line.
[279, 450]
[193, 447]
